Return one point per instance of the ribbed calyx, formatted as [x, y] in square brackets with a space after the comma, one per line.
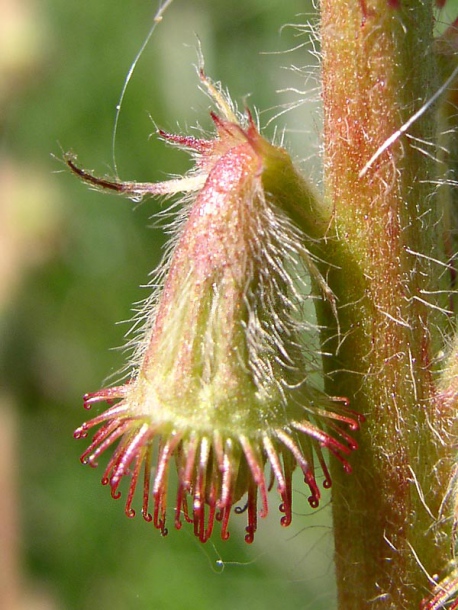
[220, 380]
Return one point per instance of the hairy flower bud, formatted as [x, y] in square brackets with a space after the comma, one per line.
[219, 381]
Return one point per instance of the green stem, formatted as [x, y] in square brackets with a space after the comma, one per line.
[378, 69]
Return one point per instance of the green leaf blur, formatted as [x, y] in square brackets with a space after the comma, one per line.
[71, 264]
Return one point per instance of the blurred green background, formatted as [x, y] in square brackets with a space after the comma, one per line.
[71, 264]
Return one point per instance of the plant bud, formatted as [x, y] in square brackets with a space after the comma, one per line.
[220, 379]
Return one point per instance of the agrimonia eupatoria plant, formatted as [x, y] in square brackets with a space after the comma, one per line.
[219, 379]
[220, 382]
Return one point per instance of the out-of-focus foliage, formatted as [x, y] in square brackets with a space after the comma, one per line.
[71, 263]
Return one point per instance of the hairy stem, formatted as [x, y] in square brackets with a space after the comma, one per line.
[378, 70]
